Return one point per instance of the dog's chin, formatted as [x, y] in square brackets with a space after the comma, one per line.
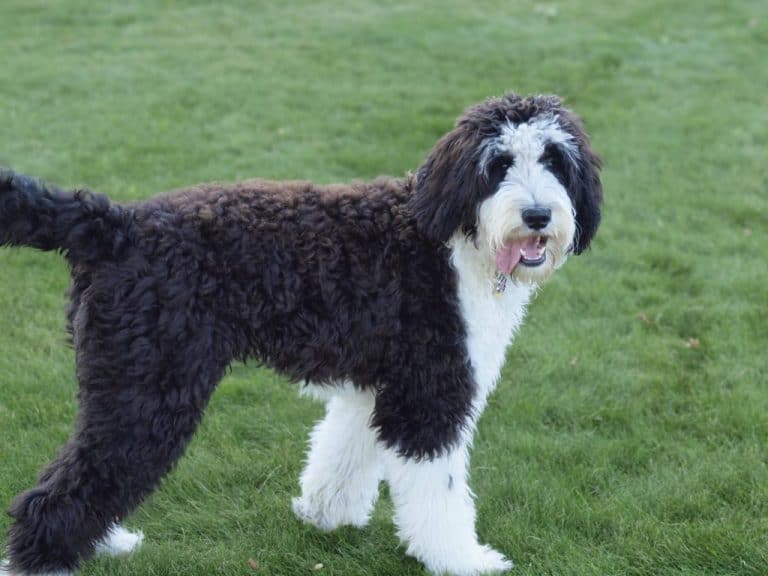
[533, 271]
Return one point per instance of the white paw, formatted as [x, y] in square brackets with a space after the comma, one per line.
[493, 561]
[118, 541]
[480, 560]
[306, 512]
[328, 517]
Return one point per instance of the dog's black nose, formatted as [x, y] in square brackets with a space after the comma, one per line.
[537, 218]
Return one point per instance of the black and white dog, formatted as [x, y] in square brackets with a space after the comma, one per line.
[396, 299]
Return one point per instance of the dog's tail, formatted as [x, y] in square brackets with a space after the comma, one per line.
[82, 224]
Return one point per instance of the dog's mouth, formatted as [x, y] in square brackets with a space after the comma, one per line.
[530, 251]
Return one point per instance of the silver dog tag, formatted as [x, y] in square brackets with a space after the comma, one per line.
[500, 283]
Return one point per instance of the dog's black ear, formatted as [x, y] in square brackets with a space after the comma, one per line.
[449, 186]
[585, 188]
[587, 197]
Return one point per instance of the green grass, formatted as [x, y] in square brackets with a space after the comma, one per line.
[629, 433]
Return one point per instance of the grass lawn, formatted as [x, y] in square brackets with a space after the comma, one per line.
[629, 434]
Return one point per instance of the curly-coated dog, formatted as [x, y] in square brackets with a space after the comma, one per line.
[398, 297]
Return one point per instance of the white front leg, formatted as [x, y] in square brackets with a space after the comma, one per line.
[435, 514]
[340, 483]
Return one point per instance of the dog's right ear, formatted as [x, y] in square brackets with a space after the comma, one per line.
[448, 186]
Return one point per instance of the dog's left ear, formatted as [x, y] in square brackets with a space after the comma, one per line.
[448, 186]
[585, 188]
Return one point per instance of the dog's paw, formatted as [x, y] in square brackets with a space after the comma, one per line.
[480, 560]
[118, 541]
[328, 517]
[306, 512]
[491, 561]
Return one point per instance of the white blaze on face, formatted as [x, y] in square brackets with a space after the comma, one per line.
[526, 180]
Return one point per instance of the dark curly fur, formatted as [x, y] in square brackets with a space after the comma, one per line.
[321, 283]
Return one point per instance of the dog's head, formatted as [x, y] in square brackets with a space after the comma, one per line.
[518, 176]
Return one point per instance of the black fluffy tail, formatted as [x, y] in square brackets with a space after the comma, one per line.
[86, 226]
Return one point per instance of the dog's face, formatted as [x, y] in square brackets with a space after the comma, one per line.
[517, 175]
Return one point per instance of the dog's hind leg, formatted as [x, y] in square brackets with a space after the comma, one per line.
[127, 437]
[340, 482]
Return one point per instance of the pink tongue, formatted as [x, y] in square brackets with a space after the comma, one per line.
[509, 256]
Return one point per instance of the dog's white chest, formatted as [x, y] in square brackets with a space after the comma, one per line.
[491, 319]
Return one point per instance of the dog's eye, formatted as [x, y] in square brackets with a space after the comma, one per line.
[503, 163]
[549, 155]
[552, 159]
[498, 167]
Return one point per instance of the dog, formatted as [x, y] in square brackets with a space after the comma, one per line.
[396, 298]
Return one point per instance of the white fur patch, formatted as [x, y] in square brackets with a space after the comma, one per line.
[118, 541]
[529, 138]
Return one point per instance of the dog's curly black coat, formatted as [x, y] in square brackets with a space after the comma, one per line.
[322, 283]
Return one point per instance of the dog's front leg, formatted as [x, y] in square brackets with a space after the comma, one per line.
[435, 513]
[340, 482]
